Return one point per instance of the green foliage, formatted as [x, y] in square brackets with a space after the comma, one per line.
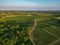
[14, 33]
[14, 27]
[47, 30]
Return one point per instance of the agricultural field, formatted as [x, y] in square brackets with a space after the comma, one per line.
[29, 28]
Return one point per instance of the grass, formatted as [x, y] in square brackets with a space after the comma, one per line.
[43, 38]
[46, 31]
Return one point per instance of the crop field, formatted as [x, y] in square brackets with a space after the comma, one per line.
[29, 28]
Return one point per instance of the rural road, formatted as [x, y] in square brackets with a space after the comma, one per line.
[31, 32]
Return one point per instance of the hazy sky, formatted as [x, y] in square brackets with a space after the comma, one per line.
[29, 4]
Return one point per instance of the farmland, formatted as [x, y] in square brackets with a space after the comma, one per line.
[29, 28]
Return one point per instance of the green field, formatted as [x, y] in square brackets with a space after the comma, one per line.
[29, 28]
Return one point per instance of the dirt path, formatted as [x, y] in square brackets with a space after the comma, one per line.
[52, 43]
[16, 15]
[31, 32]
[51, 34]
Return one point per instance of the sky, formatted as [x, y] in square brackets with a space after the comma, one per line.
[30, 5]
